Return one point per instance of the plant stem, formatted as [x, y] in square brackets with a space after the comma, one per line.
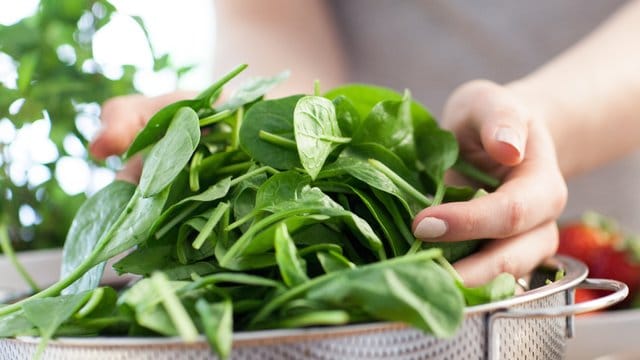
[401, 183]
[278, 140]
[476, 174]
[7, 249]
[176, 311]
[252, 173]
[55, 289]
[215, 118]
[208, 226]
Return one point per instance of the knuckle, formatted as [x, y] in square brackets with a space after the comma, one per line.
[505, 264]
[470, 223]
[562, 195]
[515, 214]
[553, 240]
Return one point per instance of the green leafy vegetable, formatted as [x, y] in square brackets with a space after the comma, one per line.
[261, 214]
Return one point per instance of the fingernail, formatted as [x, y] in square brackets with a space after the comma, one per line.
[430, 227]
[509, 136]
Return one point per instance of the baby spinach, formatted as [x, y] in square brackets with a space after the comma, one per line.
[158, 124]
[94, 218]
[261, 214]
[316, 131]
[275, 118]
[178, 144]
[251, 91]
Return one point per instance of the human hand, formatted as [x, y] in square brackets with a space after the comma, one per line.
[122, 117]
[499, 134]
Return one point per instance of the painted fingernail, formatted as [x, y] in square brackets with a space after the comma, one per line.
[430, 227]
[509, 136]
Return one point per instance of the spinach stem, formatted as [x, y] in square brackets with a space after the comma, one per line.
[216, 215]
[278, 140]
[176, 311]
[215, 118]
[208, 92]
[56, 288]
[315, 318]
[235, 133]
[194, 176]
[439, 195]
[252, 173]
[319, 247]
[401, 183]
[183, 214]
[476, 174]
[7, 249]
[450, 269]
[415, 247]
[240, 221]
[316, 87]
[232, 169]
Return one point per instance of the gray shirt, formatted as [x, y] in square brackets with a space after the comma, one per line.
[432, 46]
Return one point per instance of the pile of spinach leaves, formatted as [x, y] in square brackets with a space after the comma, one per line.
[262, 214]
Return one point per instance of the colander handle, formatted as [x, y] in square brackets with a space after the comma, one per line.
[620, 292]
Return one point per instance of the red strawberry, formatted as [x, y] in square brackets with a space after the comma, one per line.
[599, 243]
[611, 263]
[582, 241]
[583, 295]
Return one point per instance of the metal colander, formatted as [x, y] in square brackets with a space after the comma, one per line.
[533, 325]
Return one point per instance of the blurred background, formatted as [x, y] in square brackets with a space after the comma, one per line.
[59, 60]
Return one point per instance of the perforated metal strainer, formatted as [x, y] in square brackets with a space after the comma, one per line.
[533, 325]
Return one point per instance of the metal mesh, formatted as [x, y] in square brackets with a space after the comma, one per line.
[525, 338]
[533, 338]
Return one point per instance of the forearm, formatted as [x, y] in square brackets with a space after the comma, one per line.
[271, 36]
[590, 94]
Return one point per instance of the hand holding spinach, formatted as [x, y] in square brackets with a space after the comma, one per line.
[261, 214]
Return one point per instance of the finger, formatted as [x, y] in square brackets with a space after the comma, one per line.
[122, 118]
[516, 255]
[493, 113]
[534, 192]
[131, 171]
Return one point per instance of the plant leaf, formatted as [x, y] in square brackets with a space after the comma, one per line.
[274, 117]
[252, 90]
[94, 218]
[169, 156]
[316, 132]
[217, 321]
[291, 267]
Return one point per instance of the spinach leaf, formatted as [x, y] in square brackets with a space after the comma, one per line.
[252, 90]
[274, 117]
[437, 151]
[132, 227]
[47, 314]
[217, 321]
[501, 287]
[365, 96]
[390, 125]
[292, 268]
[158, 124]
[15, 324]
[332, 261]
[346, 115]
[178, 144]
[94, 218]
[316, 132]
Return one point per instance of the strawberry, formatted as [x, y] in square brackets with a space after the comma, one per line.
[601, 245]
[582, 241]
